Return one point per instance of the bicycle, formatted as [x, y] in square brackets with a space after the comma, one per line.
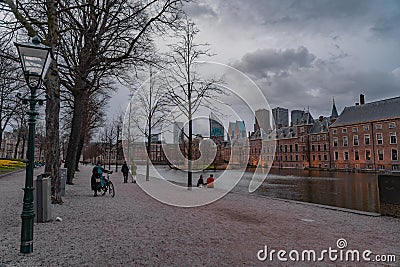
[106, 185]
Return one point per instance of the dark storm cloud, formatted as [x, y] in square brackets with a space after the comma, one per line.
[262, 61]
[198, 9]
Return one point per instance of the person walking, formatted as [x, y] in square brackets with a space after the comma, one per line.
[133, 172]
[125, 172]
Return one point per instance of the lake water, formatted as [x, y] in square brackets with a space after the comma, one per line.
[358, 191]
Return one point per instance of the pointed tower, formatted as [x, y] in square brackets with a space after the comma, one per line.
[334, 113]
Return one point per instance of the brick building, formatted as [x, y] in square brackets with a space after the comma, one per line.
[365, 136]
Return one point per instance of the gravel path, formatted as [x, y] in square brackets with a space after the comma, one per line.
[133, 229]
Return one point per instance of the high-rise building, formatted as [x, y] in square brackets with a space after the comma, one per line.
[216, 127]
[296, 116]
[262, 120]
[281, 117]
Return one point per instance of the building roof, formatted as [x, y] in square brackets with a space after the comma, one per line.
[320, 126]
[374, 111]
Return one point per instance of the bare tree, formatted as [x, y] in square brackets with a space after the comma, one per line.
[151, 106]
[187, 90]
[9, 84]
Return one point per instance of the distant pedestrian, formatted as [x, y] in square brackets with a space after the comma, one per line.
[210, 181]
[133, 172]
[200, 182]
[125, 171]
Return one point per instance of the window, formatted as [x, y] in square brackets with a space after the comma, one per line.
[312, 148]
[355, 140]
[302, 129]
[319, 148]
[312, 137]
[346, 155]
[367, 154]
[324, 147]
[325, 157]
[379, 139]
[302, 138]
[297, 157]
[324, 137]
[344, 130]
[334, 131]
[366, 127]
[335, 141]
[392, 125]
[394, 154]
[296, 147]
[356, 155]
[380, 154]
[336, 155]
[319, 157]
[313, 157]
[318, 138]
[366, 139]
[379, 126]
[291, 148]
[393, 139]
[355, 129]
[285, 148]
[345, 141]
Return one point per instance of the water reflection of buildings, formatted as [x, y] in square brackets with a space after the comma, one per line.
[362, 137]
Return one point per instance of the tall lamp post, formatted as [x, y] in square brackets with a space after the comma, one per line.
[35, 61]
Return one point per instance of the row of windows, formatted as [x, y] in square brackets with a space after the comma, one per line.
[380, 155]
[367, 140]
[391, 125]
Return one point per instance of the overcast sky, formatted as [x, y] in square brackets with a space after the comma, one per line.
[303, 53]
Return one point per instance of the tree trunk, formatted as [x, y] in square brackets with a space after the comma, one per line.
[52, 149]
[84, 129]
[52, 154]
[22, 155]
[17, 144]
[80, 106]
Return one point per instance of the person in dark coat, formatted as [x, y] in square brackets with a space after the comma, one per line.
[200, 181]
[125, 171]
[97, 172]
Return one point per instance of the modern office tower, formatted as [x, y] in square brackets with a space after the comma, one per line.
[262, 120]
[296, 116]
[216, 127]
[281, 117]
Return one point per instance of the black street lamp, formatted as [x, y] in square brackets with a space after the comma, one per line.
[35, 61]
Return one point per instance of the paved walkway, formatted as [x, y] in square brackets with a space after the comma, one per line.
[133, 229]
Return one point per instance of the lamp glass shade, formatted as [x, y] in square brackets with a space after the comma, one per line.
[35, 61]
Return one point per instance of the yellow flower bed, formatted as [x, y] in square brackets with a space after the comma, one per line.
[11, 164]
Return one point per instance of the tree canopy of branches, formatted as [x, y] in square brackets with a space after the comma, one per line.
[102, 40]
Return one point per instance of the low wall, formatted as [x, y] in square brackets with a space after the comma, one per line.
[389, 194]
